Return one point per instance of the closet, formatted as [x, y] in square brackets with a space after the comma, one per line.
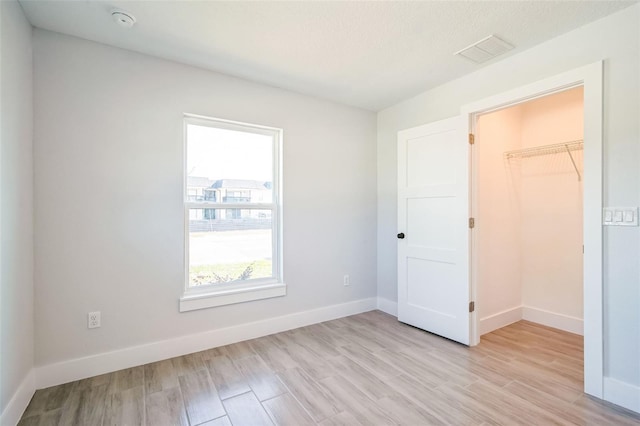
[529, 204]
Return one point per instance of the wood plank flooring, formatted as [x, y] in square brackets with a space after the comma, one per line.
[366, 369]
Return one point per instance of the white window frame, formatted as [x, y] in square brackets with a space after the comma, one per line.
[208, 296]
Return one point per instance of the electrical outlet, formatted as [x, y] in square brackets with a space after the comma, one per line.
[93, 319]
[346, 281]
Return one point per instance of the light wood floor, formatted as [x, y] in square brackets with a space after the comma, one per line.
[366, 369]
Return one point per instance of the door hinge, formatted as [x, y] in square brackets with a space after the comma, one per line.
[472, 306]
[472, 139]
[472, 223]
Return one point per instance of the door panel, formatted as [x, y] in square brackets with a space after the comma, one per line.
[433, 233]
[433, 297]
[433, 206]
[428, 161]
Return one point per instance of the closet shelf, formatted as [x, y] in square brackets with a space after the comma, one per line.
[557, 148]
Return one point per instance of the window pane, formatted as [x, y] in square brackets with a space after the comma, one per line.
[228, 245]
[228, 166]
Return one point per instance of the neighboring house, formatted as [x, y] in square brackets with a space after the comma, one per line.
[231, 191]
[199, 189]
[242, 190]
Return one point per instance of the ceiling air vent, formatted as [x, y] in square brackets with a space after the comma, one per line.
[485, 49]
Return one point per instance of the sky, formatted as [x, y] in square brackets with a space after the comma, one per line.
[227, 154]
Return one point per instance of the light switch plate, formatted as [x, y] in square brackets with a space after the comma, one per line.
[620, 216]
[608, 216]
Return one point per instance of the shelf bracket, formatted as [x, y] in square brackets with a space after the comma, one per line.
[573, 162]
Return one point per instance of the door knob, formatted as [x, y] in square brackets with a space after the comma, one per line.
[401, 235]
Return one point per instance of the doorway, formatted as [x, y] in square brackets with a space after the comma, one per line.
[590, 78]
[529, 213]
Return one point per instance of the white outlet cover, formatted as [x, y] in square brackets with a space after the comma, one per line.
[93, 319]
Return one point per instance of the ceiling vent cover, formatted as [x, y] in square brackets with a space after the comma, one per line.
[485, 49]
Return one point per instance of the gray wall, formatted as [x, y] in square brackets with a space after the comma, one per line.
[16, 195]
[108, 150]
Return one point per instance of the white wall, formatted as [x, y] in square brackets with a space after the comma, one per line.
[616, 39]
[16, 212]
[551, 206]
[498, 224]
[108, 191]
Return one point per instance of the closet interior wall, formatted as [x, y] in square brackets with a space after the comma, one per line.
[529, 214]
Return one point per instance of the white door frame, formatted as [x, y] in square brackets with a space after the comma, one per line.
[590, 77]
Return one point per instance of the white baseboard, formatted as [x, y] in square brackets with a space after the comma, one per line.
[19, 401]
[499, 320]
[622, 394]
[388, 306]
[80, 368]
[552, 319]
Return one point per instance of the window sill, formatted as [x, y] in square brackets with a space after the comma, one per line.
[229, 296]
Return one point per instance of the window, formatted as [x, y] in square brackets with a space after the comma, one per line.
[232, 210]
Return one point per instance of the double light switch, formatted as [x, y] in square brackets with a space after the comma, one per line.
[620, 216]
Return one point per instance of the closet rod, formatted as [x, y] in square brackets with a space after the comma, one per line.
[545, 150]
[549, 149]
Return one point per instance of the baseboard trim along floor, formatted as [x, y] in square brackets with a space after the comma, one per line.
[80, 368]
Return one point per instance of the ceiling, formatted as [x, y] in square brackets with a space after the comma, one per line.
[366, 54]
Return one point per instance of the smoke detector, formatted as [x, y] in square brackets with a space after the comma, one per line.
[485, 49]
[123, 18]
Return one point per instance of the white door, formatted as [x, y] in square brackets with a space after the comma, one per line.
[433, 228]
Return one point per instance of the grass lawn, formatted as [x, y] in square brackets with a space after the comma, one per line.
[227, 272]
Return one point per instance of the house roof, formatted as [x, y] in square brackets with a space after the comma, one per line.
[199, 181]
[240, 184]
